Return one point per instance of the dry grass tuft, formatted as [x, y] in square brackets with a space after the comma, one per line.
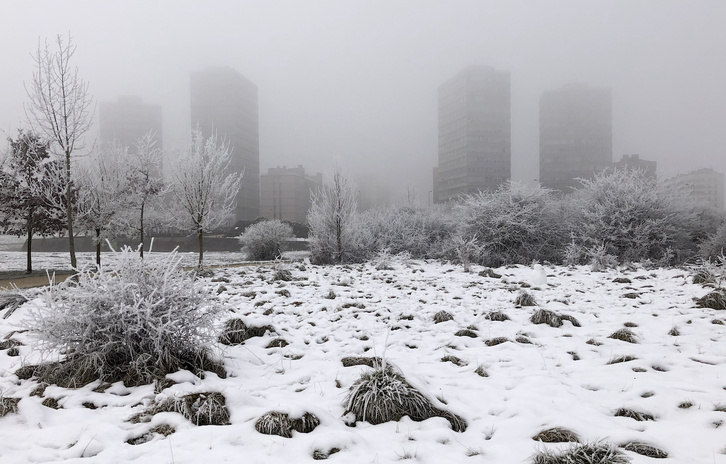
[236, 332]
[591, 453]
[454, 360]
[644, 449]
[442, 316]
[713, 300]
[674, 332]
[8, 405]
[624, 335]
[622, 280]
[384, 395]
[496, 316]
[489, 272]
[525, 298]
[496, 341]
[686, 404]
[622, 359]
[635, 415]
[557, 435]
[466, 333]
[206, 408]
[481, 371]
[319, 455]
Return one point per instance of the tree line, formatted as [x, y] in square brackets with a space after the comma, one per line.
[45, 189]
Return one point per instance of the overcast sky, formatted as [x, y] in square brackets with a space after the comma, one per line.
[356, 81]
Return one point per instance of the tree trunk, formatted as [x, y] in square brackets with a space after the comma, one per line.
[339, 237]
[29, 226]
[201, 247]
[69, 211]
[98, 247]
[141, 222]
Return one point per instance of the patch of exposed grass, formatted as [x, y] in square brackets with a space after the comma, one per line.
[622, 359]
[525, 298]
[454, 360]
[552, 319]
[635, 415]
[557, 435]
[281, 424]
[442, 316]
[624, 335]
[688, 404]
[205, 408]
[591, 453]
[644, 449]
[496, 316]
[466, 333]
[496, 341]
[235, 332]
[481, 371]
[373, 362]
[713, 300]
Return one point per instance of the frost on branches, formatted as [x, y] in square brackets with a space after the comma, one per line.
[136, 320]
[204, 188]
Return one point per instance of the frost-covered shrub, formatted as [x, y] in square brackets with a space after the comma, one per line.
[135, 320]
[514, 225]
[264, 240]
[424, 233]
[634, 217]
[714, 245]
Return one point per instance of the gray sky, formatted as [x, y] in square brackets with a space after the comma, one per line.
[356, 81]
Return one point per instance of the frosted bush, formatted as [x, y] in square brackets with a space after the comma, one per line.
[134, 320]
[264, 240]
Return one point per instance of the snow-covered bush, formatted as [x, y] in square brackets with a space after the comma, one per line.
[634, 217]
[715, 244]
[264, 240]
[135, 320]
[332, 222]
[424, 233]
[514, 225]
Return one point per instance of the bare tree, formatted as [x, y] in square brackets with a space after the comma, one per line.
[331, 220]
[101, 194]
[143, 180]
[60, 108]
[203, 186]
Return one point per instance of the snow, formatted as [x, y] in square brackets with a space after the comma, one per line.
[530, 387]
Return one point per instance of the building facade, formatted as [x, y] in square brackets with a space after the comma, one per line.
[650, 168]
[285, 193]
[224, 103]
[129, 119]
[575, 135]
[706, 186]
[474, 133]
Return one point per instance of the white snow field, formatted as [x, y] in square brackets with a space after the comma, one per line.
[541, 377]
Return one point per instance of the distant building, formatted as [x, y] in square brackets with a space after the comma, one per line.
[575, 135]
[474, 133]
[223, 102]
[285, 193]
[127, 120]
[634, 162]
[706, 186]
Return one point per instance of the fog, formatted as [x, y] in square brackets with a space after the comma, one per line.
[355, 82]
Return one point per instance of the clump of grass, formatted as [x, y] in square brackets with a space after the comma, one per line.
[557, 435]
[686, 404]
[8, 405]
[489, 272]
[674, 332]
[713, 300]
[282, 275]
[496, 316]
[704, 276]
[331, 295]
[205, 408]
[277, 343]
[373, 362]
[481, 371]
[624, 335]
[466, 333]
[525, 298]
[622, 359]
[442, 316]
[545, 316]
[644, 449]
[319, 455]
[496, 341]
[590, 453]
[10, 302]
[235, 332]
[721, 407]
[593, 342]
[281, 424]
[454, 360]
[622, 280]
[384, 395]
[635, 415]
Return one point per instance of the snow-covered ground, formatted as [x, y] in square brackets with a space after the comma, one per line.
[563, 378]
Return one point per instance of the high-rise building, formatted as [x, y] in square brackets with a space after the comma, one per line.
[705, 186]
[224, 102]
[575, 135]
[285, 193]
[634, 161]
[474, 133]
[127, 120]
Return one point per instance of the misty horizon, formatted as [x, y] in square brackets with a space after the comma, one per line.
[356, 83]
